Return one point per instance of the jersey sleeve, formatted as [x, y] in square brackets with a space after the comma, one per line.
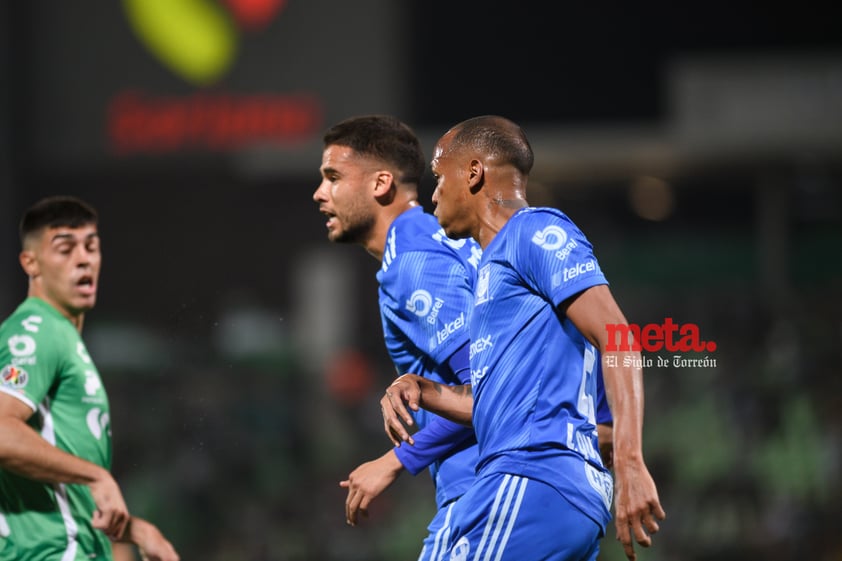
[440, 437]
[431, 298]
[28, 361]
[555, 256]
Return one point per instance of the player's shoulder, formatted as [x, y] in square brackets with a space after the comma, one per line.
[540, 215]
[416, 240]
[540, 223]
[33, 319]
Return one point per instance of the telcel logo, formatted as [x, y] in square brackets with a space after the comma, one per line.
[652, 337]
[450, 328]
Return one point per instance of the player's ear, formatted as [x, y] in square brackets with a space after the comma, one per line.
[476, 172]
[29, 262]
[384, 182]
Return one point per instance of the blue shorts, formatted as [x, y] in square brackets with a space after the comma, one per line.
[438, 533]
[507, 517]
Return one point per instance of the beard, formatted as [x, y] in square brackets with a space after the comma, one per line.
[354, 229]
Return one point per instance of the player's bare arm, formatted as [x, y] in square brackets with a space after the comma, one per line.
[150, 541]
[636, 503]
[411, 391]
[25, 452]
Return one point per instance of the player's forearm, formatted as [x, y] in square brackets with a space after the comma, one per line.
[451, 402]
[624, 389]
[24, 452]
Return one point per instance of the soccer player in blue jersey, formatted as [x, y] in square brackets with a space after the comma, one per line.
[371, 168]
[538, 329]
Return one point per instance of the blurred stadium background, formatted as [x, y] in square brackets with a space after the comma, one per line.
[699, 147]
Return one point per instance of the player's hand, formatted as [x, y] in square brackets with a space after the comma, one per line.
[366, 482]
[636, 504]
[151, 543]
[404, 392]
[111, 514]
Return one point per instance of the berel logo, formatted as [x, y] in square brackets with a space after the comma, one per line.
[550, 238]
[652, 337]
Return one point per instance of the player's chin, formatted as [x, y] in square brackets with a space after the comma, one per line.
[453, 232]
[83, 304]
[338, 236]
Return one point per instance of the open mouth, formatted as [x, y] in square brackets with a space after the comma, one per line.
[331, 218]
[85, 283]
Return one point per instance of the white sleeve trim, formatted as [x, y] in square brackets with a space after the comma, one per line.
[20, 396]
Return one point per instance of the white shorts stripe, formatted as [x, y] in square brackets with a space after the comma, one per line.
[501, 519]
[443, 534]
[512, 518]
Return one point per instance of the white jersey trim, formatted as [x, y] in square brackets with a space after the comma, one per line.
[72, 530]
[19, 396]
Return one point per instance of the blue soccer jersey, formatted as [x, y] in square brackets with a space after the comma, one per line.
[426, 299]
[534, 374]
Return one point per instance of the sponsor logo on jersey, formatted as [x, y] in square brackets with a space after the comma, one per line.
[21, 345]
[478, 374]
[550, 238]
[564, 252]
[450, 328]
[32, 323]
[571, 273]
[479, 345]
[434, 313]
[461, 550]
[97, 421]
[14, 377]
[482, 285]
[420, 302]
[92, 382]
[83, 352]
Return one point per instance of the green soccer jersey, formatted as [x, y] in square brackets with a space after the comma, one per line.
[44, 363]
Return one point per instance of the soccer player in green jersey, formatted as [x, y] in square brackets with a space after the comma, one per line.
[58, 499]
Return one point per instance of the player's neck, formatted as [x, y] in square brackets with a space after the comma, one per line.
[77, 319]
[376, 243]
[494, 214]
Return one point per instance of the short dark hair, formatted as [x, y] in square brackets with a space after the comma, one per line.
[57, 211]
[496, 136]
[384, 137]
